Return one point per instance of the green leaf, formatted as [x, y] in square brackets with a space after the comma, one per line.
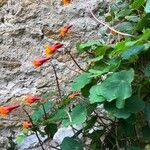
[20, 138]
[147, 70]
[81, 81]
[94, 97]
[133, 148]
[132, 18]
[95, 59]
[77, 116]
[134, 104]
[50, 129]
[38, 114]
[125, 27]
[95, 73]
[137, 4]
[90, 123]
[126, 129]
[123, 13]
[132, 51]
[96, 144]
[86, 90]
[81, 47]
[144, 23]
[119, 113]
[147, 113]
[147, 7]
[117, 86]
[71, 143]
[145, 36]
[58, 115]
[118, 48]
[146, 133]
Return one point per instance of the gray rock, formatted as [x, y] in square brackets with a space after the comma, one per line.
[24, 28]
[30, 142]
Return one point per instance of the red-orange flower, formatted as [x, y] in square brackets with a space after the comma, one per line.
[51, 49]
[63, 30]
[39, 61]
[5, 110]
[73, 95]
[26, 125]
[66, 2]
[113, 32]
[32, 99]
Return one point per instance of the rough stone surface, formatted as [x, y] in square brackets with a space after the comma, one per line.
[25, 27]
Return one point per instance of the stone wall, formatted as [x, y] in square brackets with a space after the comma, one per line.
[25, 27]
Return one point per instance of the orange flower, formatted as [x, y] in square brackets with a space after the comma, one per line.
[5, 110]
[39, 61]
[63, 30]
[73, 95]
[50, 50]
[26, 125]
[113, 32]
[32, 99]
[66, 2]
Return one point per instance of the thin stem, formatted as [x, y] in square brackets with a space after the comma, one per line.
[116, 139]
[56, 77]
[106, 25]
[75, 62]
[69, 116]
[44, 111]
[34, 127]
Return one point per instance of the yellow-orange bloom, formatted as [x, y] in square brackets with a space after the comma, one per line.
[39, 61]
[73, 95]
[51, 49]
[32, 99]
[63, 30]
[5, 110]
[66, 2]
[26, 125]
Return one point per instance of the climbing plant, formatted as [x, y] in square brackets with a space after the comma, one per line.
[110, 99]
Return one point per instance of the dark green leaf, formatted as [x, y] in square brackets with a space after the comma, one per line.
[86, 89]
[71, 143]
[90, 123]
[134, 104]
[133, 148]
[146, 133]
[95, 136]
[119, 113]
[50, 129]
[147, 70]
[147, 113]
[144, 23]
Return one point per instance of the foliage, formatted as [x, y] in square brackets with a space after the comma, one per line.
[116, 79]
